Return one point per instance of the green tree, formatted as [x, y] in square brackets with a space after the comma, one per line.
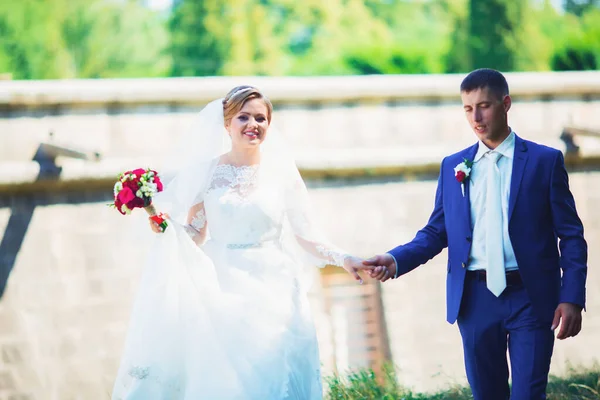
[195, 50]
[373, 37]
[44, 39]
[420, 34]
[250, 38]
[234, 37]
[52, 39]
[574, 58]
[31, 45]
[109, 39]
[578, 48]
[338, 46]
[533, 45]
[579, 7]
[458, 58]
[493, 31]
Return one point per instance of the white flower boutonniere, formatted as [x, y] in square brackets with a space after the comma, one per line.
[462, 172]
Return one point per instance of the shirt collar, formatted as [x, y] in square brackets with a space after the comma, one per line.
[506, 148]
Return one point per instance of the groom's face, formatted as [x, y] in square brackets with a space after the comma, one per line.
[486, 112]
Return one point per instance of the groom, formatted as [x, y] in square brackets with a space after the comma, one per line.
[504, 210]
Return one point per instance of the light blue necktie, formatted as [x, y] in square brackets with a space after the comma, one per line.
[494, 247]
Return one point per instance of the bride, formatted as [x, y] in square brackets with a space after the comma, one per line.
[221, 311]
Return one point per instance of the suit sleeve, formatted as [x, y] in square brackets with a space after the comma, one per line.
[428, 242]
[569, 230]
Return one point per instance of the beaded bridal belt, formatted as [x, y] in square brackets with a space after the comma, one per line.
[255, 245]
[234, 246]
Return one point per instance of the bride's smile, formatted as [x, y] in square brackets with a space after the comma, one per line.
[249, 126]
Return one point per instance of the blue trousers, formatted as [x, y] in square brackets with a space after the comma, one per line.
[490, 326]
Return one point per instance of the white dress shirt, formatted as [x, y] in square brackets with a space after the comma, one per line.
[477, 195]
[477, 190]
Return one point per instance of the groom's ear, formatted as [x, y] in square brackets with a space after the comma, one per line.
[507, 102]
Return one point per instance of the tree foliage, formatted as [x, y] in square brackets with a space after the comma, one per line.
[45, 39]
[494, 45]
[52, 39]
[580, 7]
[579, 46]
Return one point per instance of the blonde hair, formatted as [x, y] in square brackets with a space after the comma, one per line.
[238, 97]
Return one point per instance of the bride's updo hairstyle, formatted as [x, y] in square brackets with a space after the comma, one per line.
[238, 96]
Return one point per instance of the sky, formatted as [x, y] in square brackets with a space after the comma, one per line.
[159, 5]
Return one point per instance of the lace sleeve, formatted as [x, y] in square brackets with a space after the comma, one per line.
[304, 227]
[196, 224]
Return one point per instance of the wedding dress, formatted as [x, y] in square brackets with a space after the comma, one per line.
[228, 318]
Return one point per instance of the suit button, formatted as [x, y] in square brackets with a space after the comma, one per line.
[464, 265]
[469, 238]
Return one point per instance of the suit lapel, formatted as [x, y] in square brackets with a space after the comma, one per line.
[466, 206]
[519, 162]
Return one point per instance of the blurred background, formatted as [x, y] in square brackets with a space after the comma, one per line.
[366, 92]
[58, 39]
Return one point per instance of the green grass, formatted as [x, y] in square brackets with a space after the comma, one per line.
[577, 384]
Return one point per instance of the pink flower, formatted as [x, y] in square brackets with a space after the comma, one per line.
[126, 195]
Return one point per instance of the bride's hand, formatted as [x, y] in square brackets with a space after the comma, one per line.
[154, 226]
[353, 265]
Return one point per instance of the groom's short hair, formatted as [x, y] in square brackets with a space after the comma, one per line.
[485, 77]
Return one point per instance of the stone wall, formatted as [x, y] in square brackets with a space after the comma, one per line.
[65, 311]
[329, 121]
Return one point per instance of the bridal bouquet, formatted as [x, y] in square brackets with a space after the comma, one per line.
[135, 189]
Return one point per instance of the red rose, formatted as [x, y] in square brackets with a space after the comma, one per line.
[159, 185]
[131, 185]
[138, 172]
[460, 176]
[136, 203]
[125, 195]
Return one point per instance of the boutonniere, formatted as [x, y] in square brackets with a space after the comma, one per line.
[462, 172]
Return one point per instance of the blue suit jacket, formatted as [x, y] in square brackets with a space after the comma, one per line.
[541, 211]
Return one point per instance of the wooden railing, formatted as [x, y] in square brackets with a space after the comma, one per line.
[568, 136]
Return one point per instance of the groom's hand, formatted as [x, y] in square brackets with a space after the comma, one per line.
[570, 314]
[384, 267]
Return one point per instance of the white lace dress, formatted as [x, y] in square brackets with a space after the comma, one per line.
[227, 317]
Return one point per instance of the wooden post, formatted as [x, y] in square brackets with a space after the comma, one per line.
[359, 332]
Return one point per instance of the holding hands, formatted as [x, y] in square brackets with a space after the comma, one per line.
[381, 267]
[353, 265]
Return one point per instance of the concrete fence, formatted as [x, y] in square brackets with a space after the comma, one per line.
[338, 126]
[282, 90]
